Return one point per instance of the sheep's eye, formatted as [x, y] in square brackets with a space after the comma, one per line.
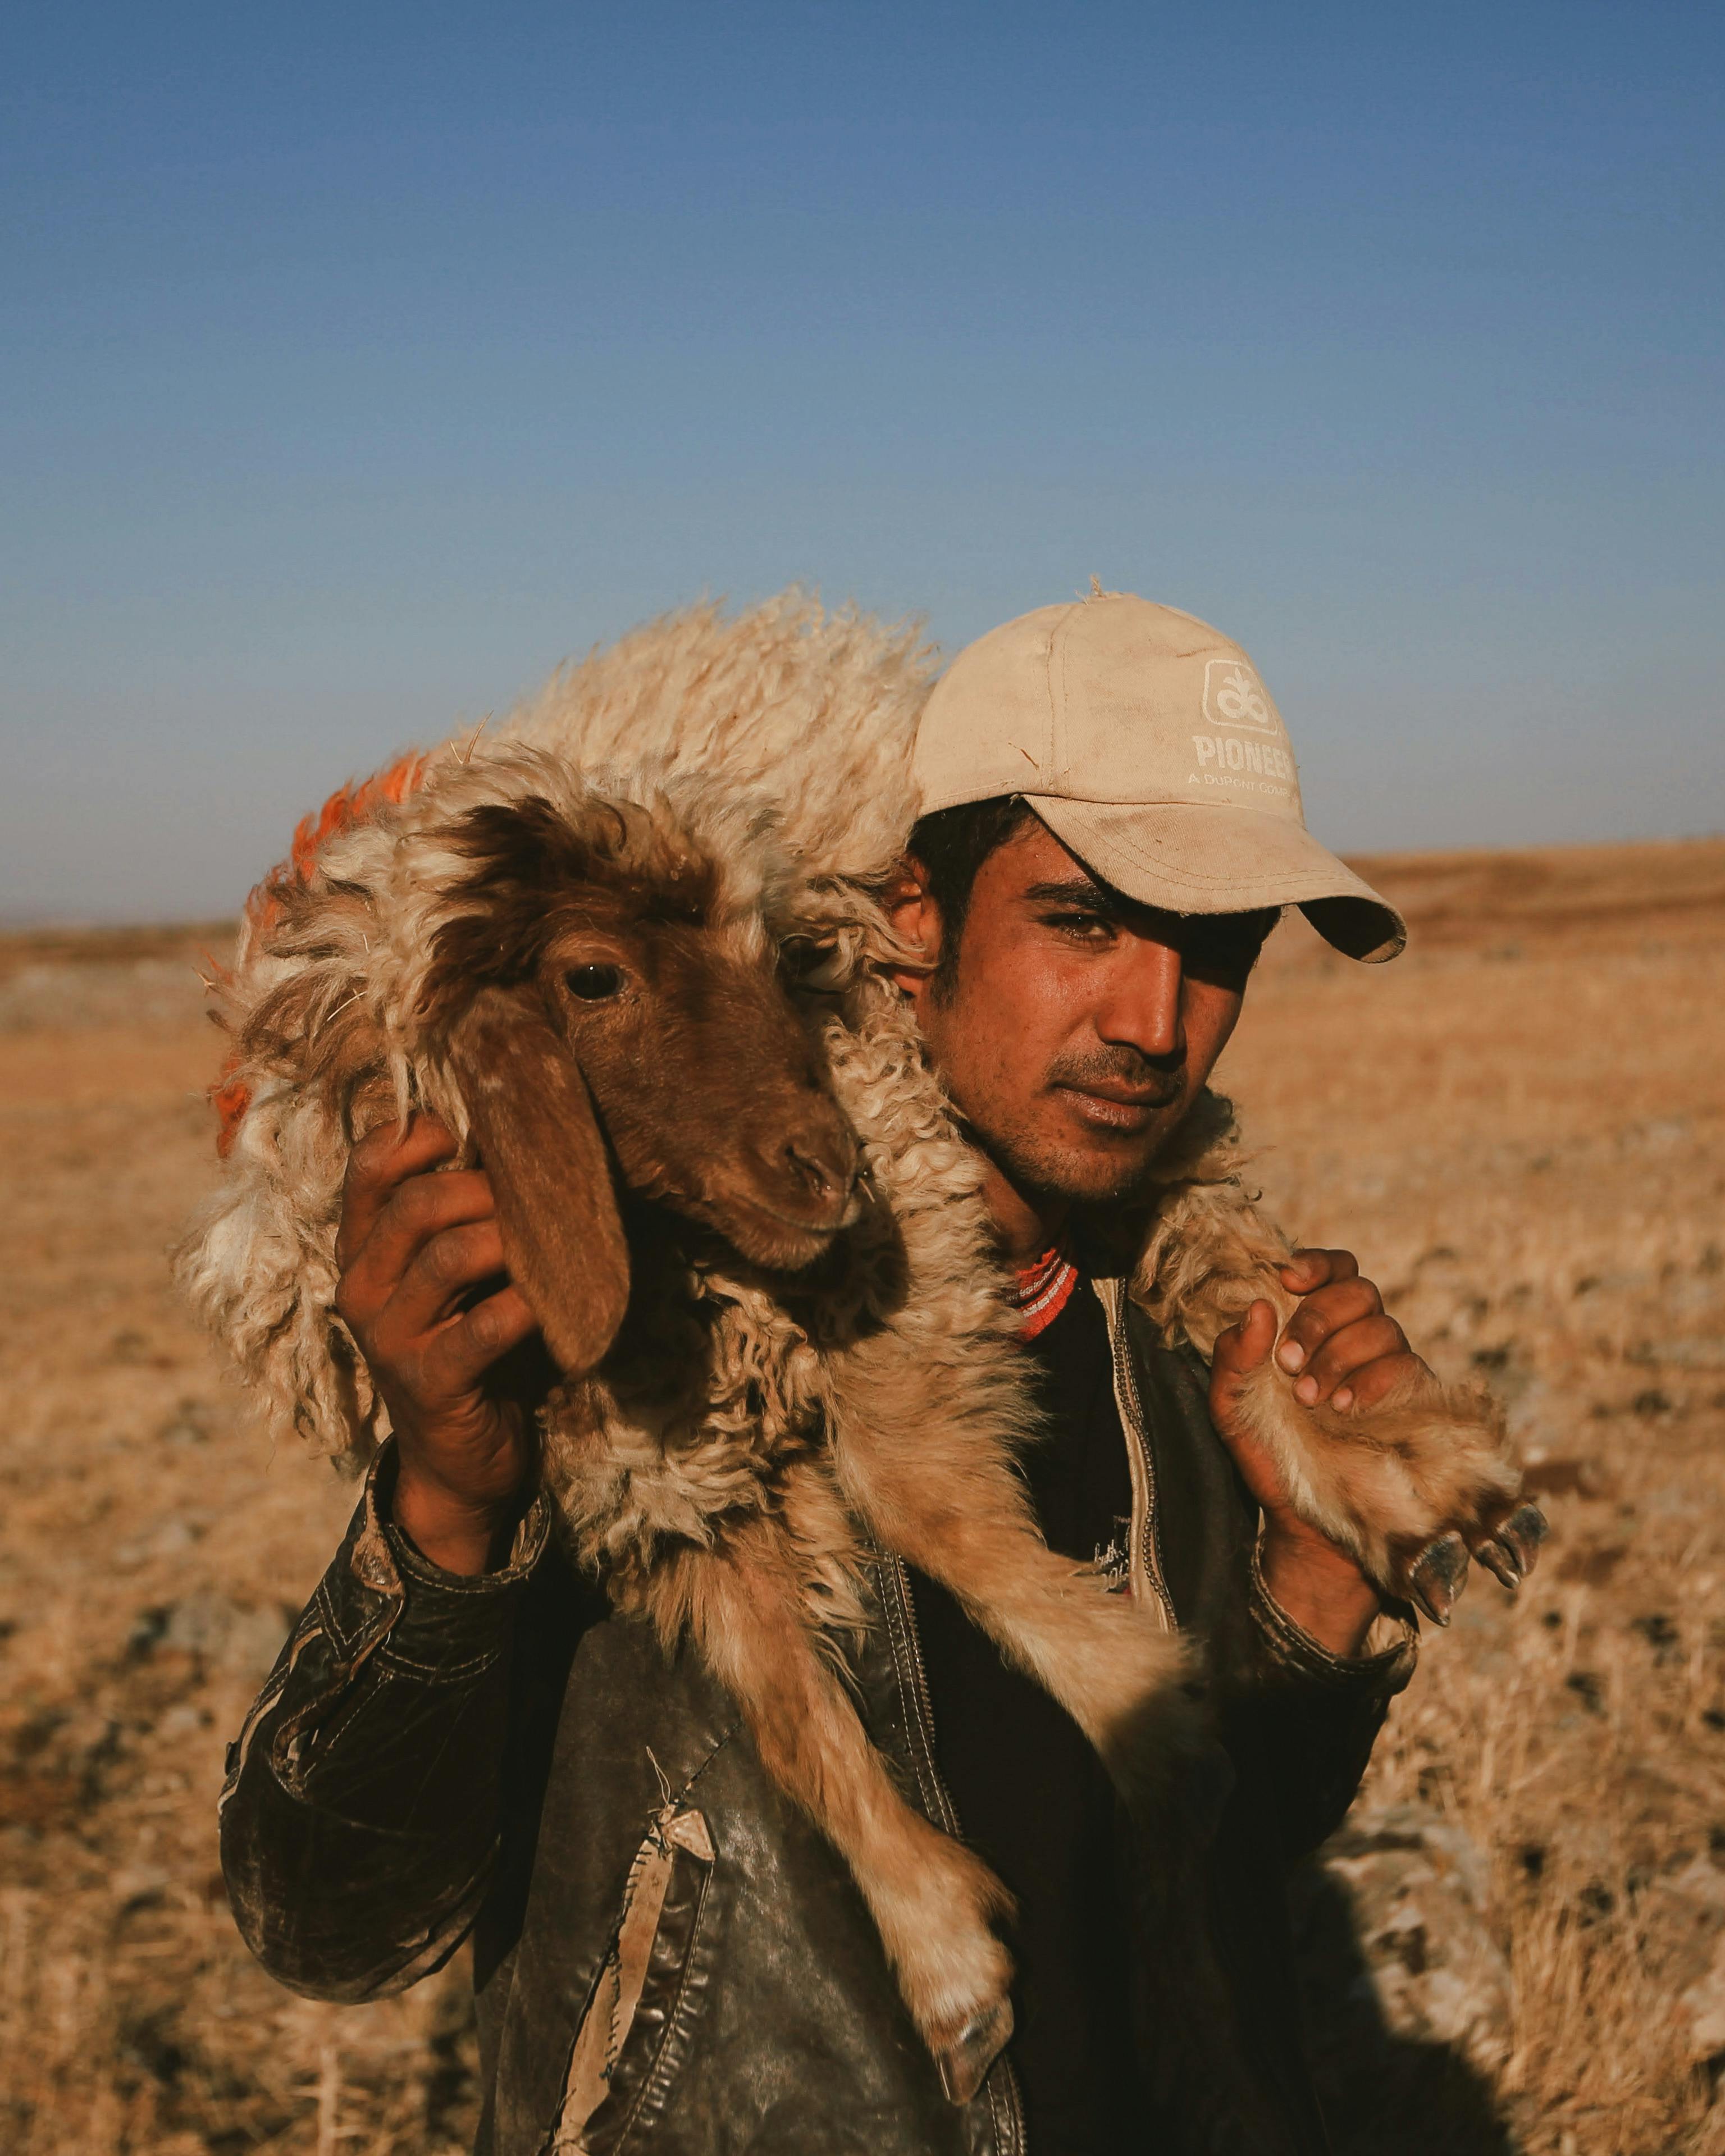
[594, 984]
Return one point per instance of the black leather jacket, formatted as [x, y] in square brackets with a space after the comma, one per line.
[434, 1756]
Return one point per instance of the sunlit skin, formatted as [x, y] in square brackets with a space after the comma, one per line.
[1078, 1031]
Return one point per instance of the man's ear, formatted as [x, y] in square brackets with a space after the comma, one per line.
[541, 1145]
[914, 913]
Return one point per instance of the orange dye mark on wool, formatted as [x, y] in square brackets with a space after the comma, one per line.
[230, 1098]
[355, 803]
[348, 805]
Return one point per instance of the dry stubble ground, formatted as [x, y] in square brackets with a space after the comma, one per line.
[1521, 1128]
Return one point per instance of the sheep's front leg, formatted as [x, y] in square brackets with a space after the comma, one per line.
[934, 1902]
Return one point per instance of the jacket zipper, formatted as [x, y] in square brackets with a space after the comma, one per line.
[1144, 1539]
[1007, 2106]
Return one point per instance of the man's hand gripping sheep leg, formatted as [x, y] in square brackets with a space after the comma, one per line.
[1346, 1357]
[414, 1247]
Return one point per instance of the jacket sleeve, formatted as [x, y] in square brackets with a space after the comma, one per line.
[1302, 1720]
[361, 1815]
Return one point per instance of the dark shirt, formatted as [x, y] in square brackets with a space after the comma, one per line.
[1031, 1796]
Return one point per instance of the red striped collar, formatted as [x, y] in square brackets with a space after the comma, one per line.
[1040, 1292]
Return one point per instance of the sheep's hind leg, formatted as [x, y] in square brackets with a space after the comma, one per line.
[1411, 1487]
[932, 1901]
[951, 1504]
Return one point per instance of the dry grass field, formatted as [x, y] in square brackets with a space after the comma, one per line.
[1521, 1127]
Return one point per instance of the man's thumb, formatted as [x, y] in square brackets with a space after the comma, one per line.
[1243, 1347]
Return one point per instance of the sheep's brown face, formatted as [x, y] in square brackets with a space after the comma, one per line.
[706, 1080]
[606, 1022]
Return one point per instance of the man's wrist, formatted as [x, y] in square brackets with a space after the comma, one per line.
[1319, 1588]
[451, 1532]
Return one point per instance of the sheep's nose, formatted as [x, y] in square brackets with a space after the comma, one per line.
[826, 1172]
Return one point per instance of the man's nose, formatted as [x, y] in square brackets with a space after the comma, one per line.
[1141, 1010]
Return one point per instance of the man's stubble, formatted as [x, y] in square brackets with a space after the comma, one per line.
[1047, 1169]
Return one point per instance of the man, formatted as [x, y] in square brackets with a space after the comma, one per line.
[1112, 825]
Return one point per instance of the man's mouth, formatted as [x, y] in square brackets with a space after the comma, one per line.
[1130, 1096]
[1110, 1104]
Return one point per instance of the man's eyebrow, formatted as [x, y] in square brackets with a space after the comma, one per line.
[1076, 891]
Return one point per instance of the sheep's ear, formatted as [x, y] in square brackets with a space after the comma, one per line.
[542, 1147]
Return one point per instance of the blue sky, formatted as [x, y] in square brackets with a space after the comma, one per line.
[358, 364]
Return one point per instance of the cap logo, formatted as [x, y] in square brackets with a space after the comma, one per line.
[1234, 695]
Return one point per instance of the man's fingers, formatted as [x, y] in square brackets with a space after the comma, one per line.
[458, 1355]
[1347, 1356]
[377, 1166]
[1308, 1269]
[1323, 1314]
[422, 1207]
[1389, 1373]
[446, 1266]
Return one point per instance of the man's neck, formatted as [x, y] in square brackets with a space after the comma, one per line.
[1028, 1227]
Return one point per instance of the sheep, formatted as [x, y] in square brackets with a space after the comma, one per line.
[630, 949]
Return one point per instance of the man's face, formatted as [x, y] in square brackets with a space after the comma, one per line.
[1080, 1025]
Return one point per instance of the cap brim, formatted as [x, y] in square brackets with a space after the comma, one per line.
[1186, 857]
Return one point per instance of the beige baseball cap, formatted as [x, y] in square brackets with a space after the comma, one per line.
[1145, 741]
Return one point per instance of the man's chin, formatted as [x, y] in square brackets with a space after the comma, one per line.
[1091, 1177]
[1105, 1186]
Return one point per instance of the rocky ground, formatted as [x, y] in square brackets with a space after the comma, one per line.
[1519, 1939]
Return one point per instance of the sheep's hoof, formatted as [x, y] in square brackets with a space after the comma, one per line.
[1524, 1531]
[1512, 1550]
[965, 2063]
[1499, 1559]
[1437, 1579]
